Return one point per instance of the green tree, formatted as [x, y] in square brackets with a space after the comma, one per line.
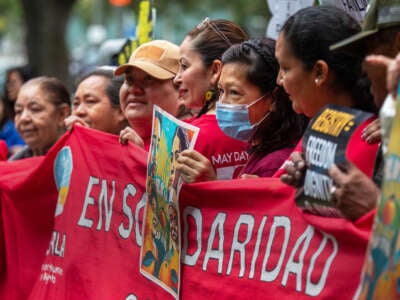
[45, 25]
[45, 21]
[243, 12]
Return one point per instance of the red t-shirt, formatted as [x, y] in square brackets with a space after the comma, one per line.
[225, 153]
[359, 152]
[266, 165]
[146, 144]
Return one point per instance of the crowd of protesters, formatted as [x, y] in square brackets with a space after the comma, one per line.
[250, 96]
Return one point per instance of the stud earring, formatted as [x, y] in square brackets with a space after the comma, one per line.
[316, 80]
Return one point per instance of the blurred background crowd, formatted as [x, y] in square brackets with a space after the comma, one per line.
[32, 31]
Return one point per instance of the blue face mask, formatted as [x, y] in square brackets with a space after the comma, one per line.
[234, 119]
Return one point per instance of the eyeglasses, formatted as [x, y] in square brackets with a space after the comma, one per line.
[206, 22]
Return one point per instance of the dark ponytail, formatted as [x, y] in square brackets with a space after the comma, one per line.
[311, 31]
[283, 127]
[210, 39]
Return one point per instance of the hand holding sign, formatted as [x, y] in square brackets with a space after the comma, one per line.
[195, 167]
[355, 193]
[324, 144]
[295, 170]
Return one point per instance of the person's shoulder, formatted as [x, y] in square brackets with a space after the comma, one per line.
[190, 120]
[203, 120]
[277, 157]
[283, 152]
[21, 154]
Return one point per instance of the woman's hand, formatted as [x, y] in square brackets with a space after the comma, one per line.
[372, 134]
[295, 170]
[393, 70]
[71, 120]
[129, 134]
[194, 167]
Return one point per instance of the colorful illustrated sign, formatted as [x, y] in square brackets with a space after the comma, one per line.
[381, 273]
[325, 142]
[160, 255]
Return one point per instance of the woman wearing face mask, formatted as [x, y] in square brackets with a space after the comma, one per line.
[252, 108]
[215, 155]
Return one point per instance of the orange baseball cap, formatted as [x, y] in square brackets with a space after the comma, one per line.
[158, 58]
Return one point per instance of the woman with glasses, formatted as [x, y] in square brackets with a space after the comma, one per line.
[216, 155]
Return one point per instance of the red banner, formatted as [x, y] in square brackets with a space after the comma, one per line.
[240, 239]
[247, 239]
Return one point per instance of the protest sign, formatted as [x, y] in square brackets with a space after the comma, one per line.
[160, 253]
[324, 143]
[381, 271]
